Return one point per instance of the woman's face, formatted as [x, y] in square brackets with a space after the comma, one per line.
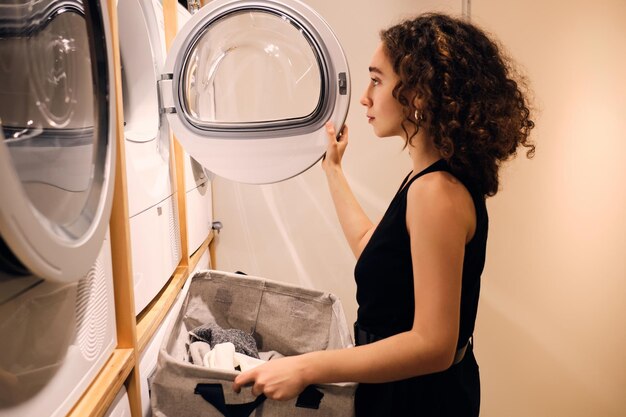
[384, 112]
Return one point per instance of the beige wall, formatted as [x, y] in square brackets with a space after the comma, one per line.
[551, 332]
[552, 323]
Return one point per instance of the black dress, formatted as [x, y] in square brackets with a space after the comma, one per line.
[384, 277]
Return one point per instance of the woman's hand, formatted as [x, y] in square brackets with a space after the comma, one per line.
[336, 146]
[279, 379]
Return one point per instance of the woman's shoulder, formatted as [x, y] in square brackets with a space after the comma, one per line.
[440, 194]
[439, 185]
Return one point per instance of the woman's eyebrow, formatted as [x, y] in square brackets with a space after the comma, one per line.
[376, 70]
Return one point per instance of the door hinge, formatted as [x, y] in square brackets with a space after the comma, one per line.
[166, 96]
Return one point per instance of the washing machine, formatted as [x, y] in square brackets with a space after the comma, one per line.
[151, 187]
[57, 153]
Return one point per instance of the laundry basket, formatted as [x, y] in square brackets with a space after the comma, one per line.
[280, 317]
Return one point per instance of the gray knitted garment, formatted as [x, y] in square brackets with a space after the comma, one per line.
[213, 334]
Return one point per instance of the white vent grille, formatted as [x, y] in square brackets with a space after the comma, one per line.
[174, 228]
[92, 311]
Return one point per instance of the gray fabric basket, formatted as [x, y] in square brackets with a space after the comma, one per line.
[281, 317]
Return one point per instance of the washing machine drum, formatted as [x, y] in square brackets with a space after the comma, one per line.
[249, 86]
[56, 138]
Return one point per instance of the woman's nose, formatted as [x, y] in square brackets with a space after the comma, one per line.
[365, 100]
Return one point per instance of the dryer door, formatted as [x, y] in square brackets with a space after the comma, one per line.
[57, 142]
[249, 85]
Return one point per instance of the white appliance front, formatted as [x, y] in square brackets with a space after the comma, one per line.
[55, 338]
[120, 406]
[151, 189]
[249, 85]
[57, 148]
[199, 199]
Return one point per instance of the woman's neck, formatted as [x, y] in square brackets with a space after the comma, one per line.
[422, 152]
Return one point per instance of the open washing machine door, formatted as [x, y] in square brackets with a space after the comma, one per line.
[248, 86]
[57, 146]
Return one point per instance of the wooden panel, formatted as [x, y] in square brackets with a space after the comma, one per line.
[212, 250]
[170, 15]
[181, 197]
[120, 248]
[119, 225]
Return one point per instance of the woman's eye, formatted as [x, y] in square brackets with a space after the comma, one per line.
[375, 81]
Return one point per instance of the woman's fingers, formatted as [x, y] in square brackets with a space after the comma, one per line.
[332, 135]
[248, 379]
[243, 379]
[336, 145]
[330, 130]
[279, 379]
[343, 135]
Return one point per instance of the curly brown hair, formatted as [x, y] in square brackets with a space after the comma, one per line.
[473, 100]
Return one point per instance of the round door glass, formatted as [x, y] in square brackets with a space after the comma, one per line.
[48, 107]
[252, 67]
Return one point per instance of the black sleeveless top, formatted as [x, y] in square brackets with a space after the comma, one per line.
[384, 277]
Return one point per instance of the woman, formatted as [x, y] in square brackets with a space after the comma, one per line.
[444, 86]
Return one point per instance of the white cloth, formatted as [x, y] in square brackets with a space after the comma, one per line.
[223, 356]
[197, 351]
